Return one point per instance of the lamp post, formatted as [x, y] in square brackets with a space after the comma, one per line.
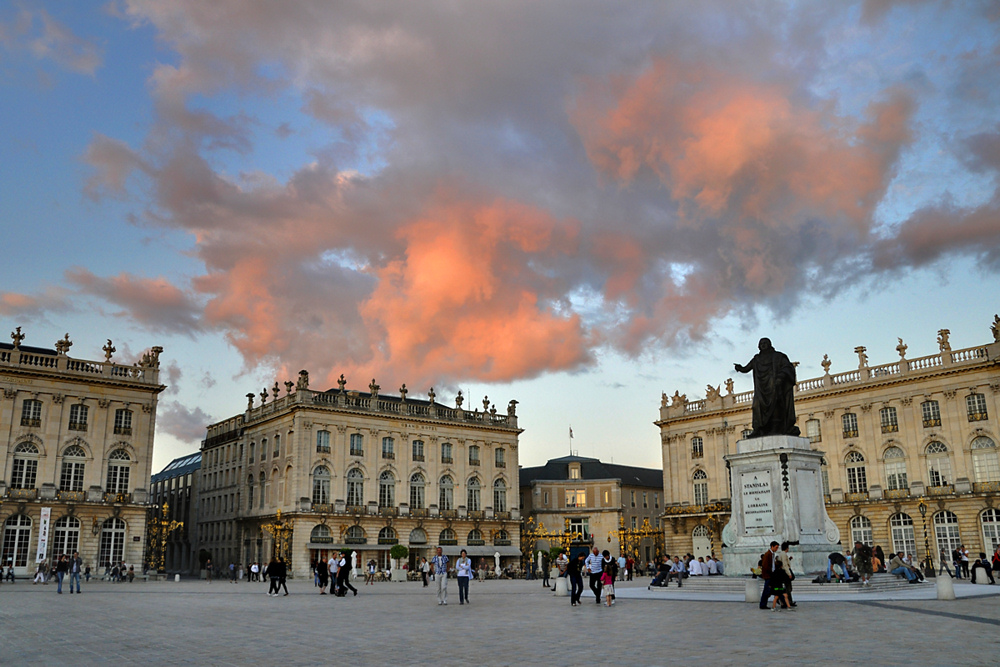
[280, 531]
[928, 562]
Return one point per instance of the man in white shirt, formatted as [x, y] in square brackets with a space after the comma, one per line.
[594, 566]
[694, 568]
[712, 567]
[334, 566]
[562, 562]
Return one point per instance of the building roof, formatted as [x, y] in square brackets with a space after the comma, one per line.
[557, 470]
[178, 467]
[29, 349]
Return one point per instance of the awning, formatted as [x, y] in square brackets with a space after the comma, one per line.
[485, 551]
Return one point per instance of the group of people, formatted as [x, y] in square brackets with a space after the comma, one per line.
[64, 566]
[335, 572]
[960, 561]
[776, 570]
[668, 569]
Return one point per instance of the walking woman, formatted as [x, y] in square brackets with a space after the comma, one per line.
[370, 574]
[424, 569]
[574, 570]
[272, 574]
[463, 573]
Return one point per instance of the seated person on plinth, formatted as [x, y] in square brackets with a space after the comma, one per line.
[677, 571]
[984, 564]
[663, 568]
[694, 567]
[898, 567]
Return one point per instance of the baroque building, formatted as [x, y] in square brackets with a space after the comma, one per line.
[601, 504]
[76, 448]
[910, 451]
[307, 472]
[173, 496]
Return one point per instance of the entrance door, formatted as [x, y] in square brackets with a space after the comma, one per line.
[701, 544]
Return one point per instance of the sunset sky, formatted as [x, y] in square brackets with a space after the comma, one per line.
[578, 205]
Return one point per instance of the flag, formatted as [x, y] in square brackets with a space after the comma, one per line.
[571, 432]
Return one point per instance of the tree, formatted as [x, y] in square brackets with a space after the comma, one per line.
[399, 552]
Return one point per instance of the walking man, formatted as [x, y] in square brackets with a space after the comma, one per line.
[574, 570]
[440, 565]
[595, 567]
[343, 570]
[75, 567]
[767, 567]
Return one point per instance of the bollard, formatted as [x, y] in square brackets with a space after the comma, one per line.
[177, 578]
[562, 587]
[945, 588]
[752, 591]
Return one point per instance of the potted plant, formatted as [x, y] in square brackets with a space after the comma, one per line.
[397, 553]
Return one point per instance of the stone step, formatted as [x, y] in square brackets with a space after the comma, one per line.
[736, 585]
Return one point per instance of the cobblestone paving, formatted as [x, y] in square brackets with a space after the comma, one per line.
[508, 623]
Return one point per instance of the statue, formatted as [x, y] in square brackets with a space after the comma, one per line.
[678, 399]
[943, 343]
[711, 393]
[17, 337]
[459, 399]
[62, 346]
[663, 399]
[773, 397]
[303, 382]
[729, 386]
[826, 363]
[109, 349]
[403, 391]
[995, 328]
[374, 388]
[512, 409]
[860, 350]
[901, 348]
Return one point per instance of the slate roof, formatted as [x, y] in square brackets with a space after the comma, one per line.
[557, 470]
[29, 349]
[177, 467]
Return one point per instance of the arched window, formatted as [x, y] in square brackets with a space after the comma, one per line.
[321, 534]
[499, 496]
[418, 487]
[474, 495]
[387, 536]
[697, 448]
[73, 467]
[857, 476]
[475, 537]
[901, 527]
[355, 487]
[938, 464]
[975, 405]
[250, 491]
[112, 548]
[65, 536]
[386, 489]
[895, 468]
[700, 479]
[24, 470]
[990, 520]
[355, 535]
[946, 532]
[16, 536]
[501, 538]
[323, 442]
[448, 537]
[418, 536]
[263, 480]
[119, 465]
[446, 495]
[321, 486]
[984, 460]
[473, 455]
[861, 530]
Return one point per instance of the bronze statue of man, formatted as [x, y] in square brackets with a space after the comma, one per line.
[774, 392]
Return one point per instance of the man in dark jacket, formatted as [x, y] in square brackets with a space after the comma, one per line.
[766, 569]
[75, 568]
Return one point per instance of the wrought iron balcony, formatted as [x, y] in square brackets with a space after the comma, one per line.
[986, 487]
[943, 490]
[932, 422]
[856, 497]
[30, 421]
[890, 428]
[22, 494]
[123, 430]
[72, 496]
[978, 416]
[447, 459]
[418, 457]
[850, 433]
[897, 493]
[78, 426]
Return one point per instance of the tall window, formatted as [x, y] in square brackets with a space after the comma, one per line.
[901, 526]
[700, 480]
[946, 532]
[895, 468]
[938, 464]
[975, 405]
[446, 453]
[931, 413]
[473, 455]
[252, 451]
[474, 495]
[65, 536]
[321, 486]
[857, 476]
[861, 530]
[323, 442]
[73, 464]
[123, 422]
[112, 542]
[250, 492]
[388, 448]
[498, 458]
[418, 450]
[119, 465]
[991, 529]
[386, 489]
[277, 447]
[31, 413]
[499, 496]
[355, 487]
[850, 423]
[357, 444]
[418, 487]
[888, 417]
[16, 536]
[576, 498]
[697, 448]
[263, 487]
[645, 500]
[656, 500]
[263, 449]
[984, 460]
[78, 417]
[446, 493]
[813, 430]
[581, 526]
[25, 466]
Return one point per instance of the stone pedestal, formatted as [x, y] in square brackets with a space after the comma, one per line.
[777, 495]
[562, 587]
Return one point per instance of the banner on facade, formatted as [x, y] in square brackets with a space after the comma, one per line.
[43, 534]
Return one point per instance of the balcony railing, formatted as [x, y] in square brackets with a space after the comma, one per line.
[502, 516]
[447, 459]
[22, 494]
[357, 452]
[477, 514]
[943, 490]
[419, 512]
[322, 508]
[418, 457]
[123, 430]
[897, 493]
[500, 464]
[856, 497]
[72, 496]
[449, 514]
[355, 509]
[932, 422]
[978, 416]
[389, 455]
[117, 497]
[986, 487]
[29, 421]
[850, 434]
[78, 426]
[890, 428]
[473, 462]
[388, 511]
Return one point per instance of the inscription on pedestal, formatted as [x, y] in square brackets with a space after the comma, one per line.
[758, 514]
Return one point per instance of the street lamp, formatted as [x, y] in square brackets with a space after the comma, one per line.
[928, 562]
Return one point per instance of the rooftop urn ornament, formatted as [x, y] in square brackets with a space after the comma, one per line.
[459, 399]
[17, 337]
[826, 363]
[341, 383]
[63, 345]
[288, 386]
[995, 328]
[431, 395]
[774, 387]
[274, 392]
[263, 396]
[303, 382]
[493, 410]
[374, 388]
[250, 398]
[403, 391]
[109, 349]
[901, 348]
[943, 343]
[486, 403]
[512, 408]
[862, 357]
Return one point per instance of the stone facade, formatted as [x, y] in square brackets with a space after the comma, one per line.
[358, 471]
[597, 499]
[176, 488]
[898, 438]
[76, 444]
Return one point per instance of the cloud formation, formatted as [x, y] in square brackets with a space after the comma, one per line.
[37, 33]
[181, 422]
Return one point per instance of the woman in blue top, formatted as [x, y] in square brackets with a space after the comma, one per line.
[463, 572]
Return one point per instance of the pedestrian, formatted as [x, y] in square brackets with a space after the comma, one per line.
[343, 570]
[463, 574]
[862, 556]
[86, 574]
[75, 567]
[424, 570]
[629, 568]
[964, 552]
[562, 562]
[232, 573]
[609, 575]
[982, 563]
[574, 570]
[594, 568]
[944, 564]
[785, 560]
[881, 557]
[39, 573]
[621, 567]
[370, 574]
[282, 575]
[62, 567]
[779, 584]
[440, 565]
[253, 571]
[322, 575]
[208, 570]
[272, 573]
[767, 567]
[546, 566]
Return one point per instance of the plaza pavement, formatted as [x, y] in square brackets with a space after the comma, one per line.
[508, 623]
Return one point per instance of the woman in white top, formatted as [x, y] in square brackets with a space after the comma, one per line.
[463, 573]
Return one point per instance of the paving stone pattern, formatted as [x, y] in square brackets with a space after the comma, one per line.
[508, 623]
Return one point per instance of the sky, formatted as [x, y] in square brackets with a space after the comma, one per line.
[578, 205]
